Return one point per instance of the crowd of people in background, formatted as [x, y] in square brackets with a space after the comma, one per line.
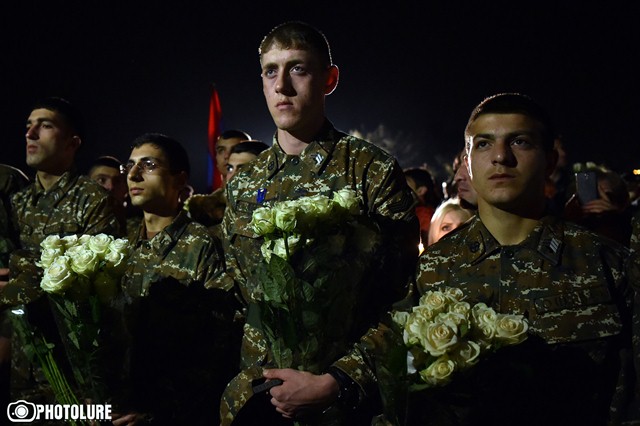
[187, 342]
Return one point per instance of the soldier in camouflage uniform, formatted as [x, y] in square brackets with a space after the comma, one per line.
[180, 344]
[11, 181]
[310, 157]
[573, 286]
[60, 201]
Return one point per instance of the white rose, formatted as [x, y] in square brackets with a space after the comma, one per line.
[425, 312]
[280, 250]
[73, 251]
[70, 240]
[465, 354]
[460, 320]
[262, 221]
[284, 215]
[511, 329]
[47, 257]
[52, 242]
[454, 293]
[85, 262]
[439, 372]
[84, 239]
[348, 200]
[483, 320]
[436, 300]
[439, 337]
[115, 260]
[400, 317]
[310, 210]
[58, 277]
[463, 308]
[415, 327]
[99, 244]
[119, 245]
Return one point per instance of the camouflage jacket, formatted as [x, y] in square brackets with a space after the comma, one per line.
[575, 289]
[11, 181]
[74, 205]
[172, 310]
[331, 162]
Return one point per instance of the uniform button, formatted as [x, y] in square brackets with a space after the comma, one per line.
[295, 160]
[271, 165]
[474, 247]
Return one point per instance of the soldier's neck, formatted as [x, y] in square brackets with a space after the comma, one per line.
[155, 223]
[506, 227]
[293, 142]
[47, 180]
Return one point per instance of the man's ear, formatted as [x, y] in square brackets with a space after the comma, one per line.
[75, 142]
[181, 179]
[333, 75]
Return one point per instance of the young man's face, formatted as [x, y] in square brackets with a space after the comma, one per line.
[110, 179]
[157, 189]
[236, 161]
[507, 162]
[295, 84]
[51, 143]
[223, 149]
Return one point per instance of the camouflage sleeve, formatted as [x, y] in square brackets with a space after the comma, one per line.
[213, 270]
[387, 191]
[394, 209]
[100, 217]
[24, 285]
[232, 266]
[633, 298]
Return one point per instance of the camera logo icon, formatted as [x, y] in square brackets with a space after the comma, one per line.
[21, 411]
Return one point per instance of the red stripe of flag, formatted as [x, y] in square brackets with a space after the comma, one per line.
[215, 113]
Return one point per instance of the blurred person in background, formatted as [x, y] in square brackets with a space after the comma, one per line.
[609, 214]
[448, 216]
[423, 185]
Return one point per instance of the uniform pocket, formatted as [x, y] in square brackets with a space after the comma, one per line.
[579, 315]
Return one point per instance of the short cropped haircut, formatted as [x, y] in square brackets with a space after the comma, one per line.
[297, 35]
[252, 147]
[235, 133]
[107, 161]
[174, 151]
[66, 110]
[422, 177]
[515, 103]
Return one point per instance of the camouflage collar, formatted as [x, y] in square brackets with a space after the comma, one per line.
[164, 241]
[58, 190]
[546, 239]
[316, 154]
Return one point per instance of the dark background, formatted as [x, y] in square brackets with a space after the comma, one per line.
[411, 72]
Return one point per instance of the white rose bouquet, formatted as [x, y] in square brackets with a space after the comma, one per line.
[81, 277]
[445, 335]
[440, 338]
[315, 250]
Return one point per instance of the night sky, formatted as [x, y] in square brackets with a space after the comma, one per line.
[409, 74]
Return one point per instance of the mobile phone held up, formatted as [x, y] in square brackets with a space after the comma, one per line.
[586, 187]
